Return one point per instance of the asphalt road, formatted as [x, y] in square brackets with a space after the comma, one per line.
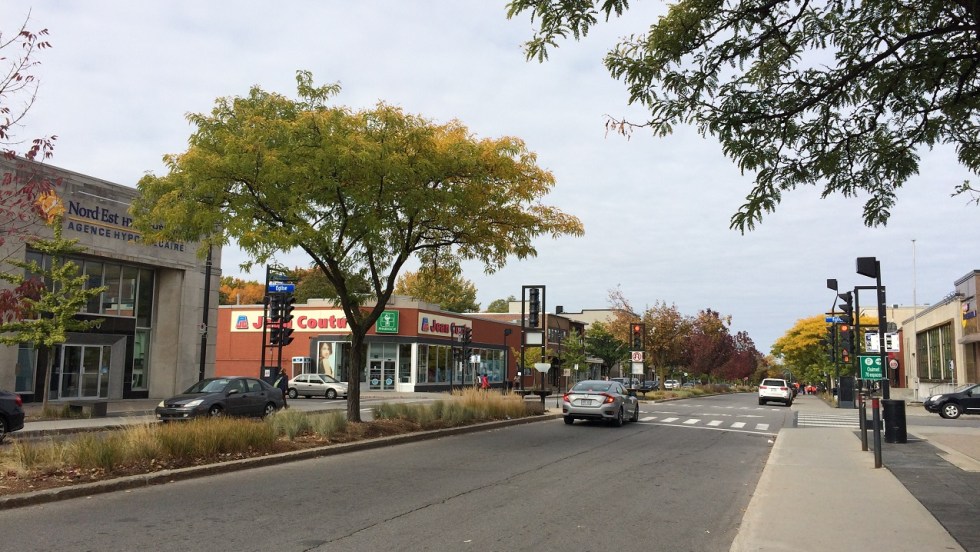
[660, 484]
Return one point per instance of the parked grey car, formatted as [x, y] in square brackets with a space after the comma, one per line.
[232, 396]
[11, 413]
[600, 400]
[317, 385]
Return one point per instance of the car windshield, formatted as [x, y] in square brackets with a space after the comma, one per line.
[329, 379]
[592, 386]
[208, 386]
[963, 387]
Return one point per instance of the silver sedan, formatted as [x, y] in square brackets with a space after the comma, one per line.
[316, 385]
[600, 400]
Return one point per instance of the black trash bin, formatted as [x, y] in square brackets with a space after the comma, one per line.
[893, 412]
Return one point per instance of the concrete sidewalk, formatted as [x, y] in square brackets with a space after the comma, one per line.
[819, 491]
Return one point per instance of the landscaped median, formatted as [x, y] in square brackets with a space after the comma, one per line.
[149, 454]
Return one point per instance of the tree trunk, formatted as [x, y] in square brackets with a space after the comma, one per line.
[354, 376]
[45, 387]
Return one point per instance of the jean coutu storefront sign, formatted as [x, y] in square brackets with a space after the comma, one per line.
[312, 320]
[431, 324]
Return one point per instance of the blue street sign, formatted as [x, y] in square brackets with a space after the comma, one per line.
[833, 319]
[278, 287]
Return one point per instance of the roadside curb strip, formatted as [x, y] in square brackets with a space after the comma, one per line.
[182, 474]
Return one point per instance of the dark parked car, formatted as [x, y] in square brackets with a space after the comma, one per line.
[965, 399]
[649, 385]
[232, 396]
[600, 400]
[11, 413]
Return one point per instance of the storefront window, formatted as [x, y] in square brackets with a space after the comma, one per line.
[110, 298]
[127, 291]
[144, 298]
[404, 363]
[24, 375]
[423, 364]
[141, 355]
[93, 274]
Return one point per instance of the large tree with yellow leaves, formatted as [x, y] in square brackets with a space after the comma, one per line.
[359, 191]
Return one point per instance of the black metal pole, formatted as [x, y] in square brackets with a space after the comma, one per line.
[204, 319]
[877, 431]
[882, 325]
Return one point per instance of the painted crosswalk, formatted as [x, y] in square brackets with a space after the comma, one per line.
[715, 424]
[827, 420]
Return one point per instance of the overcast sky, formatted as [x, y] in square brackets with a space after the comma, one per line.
[122, 75]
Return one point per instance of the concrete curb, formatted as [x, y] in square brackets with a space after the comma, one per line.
[169, 476]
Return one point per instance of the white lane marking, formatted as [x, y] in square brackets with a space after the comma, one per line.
[648, 419]
[714, 423]
[692, 421]
[738, 425]
[762, 427]
[670, 419]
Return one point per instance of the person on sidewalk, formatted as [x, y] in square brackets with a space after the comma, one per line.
[282, 383]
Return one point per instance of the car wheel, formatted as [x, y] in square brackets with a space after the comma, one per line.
[569, 420]
[3, 428]
[618, 422]
[269, 409]
[951, 411]
[762, 402]
[292, 394]
[789, 404]
[636, 414]
[216, 411]
[331, 394]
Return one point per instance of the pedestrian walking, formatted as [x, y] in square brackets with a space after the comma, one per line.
[484, 382]
[282, 383]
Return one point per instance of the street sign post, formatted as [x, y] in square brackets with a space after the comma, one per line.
[870, 367]
[280, 287]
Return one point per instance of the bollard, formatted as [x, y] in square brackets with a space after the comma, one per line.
[894, 413]
[876, 417]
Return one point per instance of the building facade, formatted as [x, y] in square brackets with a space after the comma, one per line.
[414, 346]
[157, 321]
[941, 343]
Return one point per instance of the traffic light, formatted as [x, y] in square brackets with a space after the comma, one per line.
[534, 307]
[281, 336]
[847, 306]
[275, 308]
[467, 336]
[636, 336]
[286, 309]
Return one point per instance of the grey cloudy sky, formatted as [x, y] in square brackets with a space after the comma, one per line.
[122, 75]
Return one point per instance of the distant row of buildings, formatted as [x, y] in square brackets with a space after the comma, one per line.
[163, 328]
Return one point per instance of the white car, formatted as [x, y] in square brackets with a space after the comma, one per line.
[672, 384]
[778, 390]
[316, 385]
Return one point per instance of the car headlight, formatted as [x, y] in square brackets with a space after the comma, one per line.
[192, 404]
[934, 398]
[161, 405]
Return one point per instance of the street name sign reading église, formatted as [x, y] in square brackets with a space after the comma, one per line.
[870, 367]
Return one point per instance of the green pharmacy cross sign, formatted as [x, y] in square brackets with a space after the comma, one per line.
[387, 323]
[871, 367]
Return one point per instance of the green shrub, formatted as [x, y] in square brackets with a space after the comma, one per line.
[290, 423]
[328, 425]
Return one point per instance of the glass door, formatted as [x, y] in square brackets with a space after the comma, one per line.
[374, 375]
[388, 384]
[84, 372]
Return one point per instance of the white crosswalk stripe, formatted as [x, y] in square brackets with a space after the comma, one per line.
[713, 421]
[828, 420]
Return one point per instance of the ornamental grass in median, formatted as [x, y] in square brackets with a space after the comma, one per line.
[27, 465]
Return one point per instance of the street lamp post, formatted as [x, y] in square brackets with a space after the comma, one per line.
[507, 332]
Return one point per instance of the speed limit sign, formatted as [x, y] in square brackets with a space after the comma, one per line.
[637, 356]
